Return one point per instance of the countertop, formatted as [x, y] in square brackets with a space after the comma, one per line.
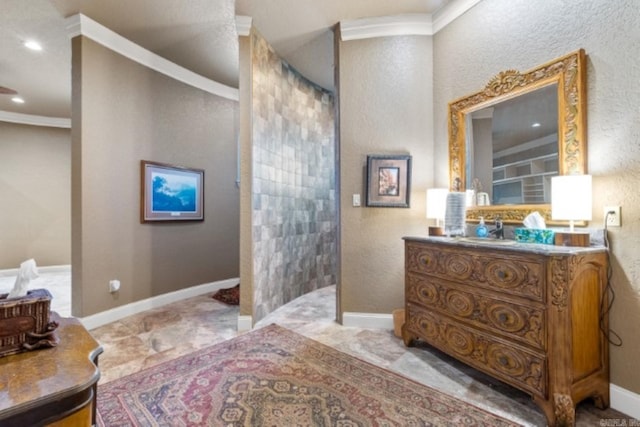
[41, 382]
[508, 245]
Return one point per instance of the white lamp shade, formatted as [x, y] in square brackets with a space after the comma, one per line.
[571, 197]
[436, 202]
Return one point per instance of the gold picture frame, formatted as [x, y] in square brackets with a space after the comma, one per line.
[569, 74]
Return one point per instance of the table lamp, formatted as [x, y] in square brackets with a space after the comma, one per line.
[571, 200]
[436, 207]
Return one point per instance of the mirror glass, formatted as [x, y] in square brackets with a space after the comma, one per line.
[507, 140]
[512, 148]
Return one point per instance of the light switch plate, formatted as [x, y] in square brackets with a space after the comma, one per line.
[356, 200]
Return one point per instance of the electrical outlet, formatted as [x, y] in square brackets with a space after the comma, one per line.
[612, 216]
[114, 285]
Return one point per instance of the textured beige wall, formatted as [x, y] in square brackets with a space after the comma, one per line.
[246, 172]
[496, 35]
[123, 113]
[385, 108]
[35, 189]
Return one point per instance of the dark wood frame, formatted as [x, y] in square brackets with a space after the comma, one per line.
[147, 214]
[399, 197]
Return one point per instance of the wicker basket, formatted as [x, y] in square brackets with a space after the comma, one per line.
[24, 322]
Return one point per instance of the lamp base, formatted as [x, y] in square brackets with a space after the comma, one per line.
[572, 238]
[436, 231]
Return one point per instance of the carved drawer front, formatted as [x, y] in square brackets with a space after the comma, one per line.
[523, 323]
[422, 259]
[506, 361]
[513, 274]
[520, 277]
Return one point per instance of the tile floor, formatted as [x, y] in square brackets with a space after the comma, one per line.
[161, 334]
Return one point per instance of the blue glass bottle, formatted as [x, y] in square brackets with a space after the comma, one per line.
[481, 229]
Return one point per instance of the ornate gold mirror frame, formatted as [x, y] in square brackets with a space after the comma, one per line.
[569, 73]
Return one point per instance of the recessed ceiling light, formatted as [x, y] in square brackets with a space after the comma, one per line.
[33, 45]
[17, 100]
[535, 125]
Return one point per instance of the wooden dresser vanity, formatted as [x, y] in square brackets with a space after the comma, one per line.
[527, 314]
[54, 387]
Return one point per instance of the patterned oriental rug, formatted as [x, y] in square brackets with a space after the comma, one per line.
[229, 296]
[275, 377]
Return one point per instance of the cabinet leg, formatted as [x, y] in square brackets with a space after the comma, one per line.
[601, 400]
[564, 410]
[407, 338]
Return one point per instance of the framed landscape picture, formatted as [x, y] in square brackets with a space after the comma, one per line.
[171, 193]
[388, 181]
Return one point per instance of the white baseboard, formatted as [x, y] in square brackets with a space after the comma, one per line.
[95, 320]
[621, 399]
[245, 323]
[46, 269]
[368, 320]
[625, 401]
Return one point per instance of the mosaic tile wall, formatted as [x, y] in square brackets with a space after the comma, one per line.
[294, 190]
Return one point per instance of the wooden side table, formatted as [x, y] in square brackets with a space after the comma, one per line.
[54, 386]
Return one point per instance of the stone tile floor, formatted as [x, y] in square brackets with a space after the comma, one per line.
[161, 334]
[154, 336]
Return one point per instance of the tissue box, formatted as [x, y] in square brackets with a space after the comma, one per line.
[535, 235]
[24, 322]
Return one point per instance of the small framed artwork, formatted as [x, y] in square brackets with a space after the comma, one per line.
[388, 181]
[171, 193]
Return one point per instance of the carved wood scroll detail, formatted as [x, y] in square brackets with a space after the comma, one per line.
[509, 363]
[513, 214]
[564, 410]
[526, 323]
[559, 283]
[520, 278]
[569, 73]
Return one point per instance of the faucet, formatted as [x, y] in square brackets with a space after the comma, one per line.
[499, 230]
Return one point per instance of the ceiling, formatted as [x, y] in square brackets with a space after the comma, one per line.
[199, 35]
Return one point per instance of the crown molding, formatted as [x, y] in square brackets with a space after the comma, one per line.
[243, 25]
[385, 26]
[82, 25]
[32, 120]
[451, 11]
[403, 25]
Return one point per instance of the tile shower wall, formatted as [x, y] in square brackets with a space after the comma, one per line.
[294, 191]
